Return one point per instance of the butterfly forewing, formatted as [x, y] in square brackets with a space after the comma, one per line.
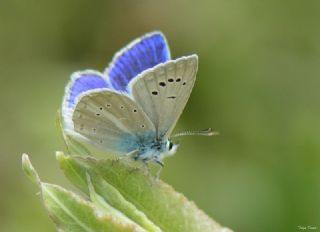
[163, 91]
[111, 120]
[141, 54]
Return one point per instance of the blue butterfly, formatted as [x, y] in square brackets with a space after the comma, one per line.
[132, 107]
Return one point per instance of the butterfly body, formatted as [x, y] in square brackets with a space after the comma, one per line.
[131, 108]
[149, 148]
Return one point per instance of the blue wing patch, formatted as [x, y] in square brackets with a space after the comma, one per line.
[141, 54]
[82, 82]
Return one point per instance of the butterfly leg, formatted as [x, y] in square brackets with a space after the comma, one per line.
[145, 166]
[130, 158]
[161, 164]
[133, 154]
[146, 169]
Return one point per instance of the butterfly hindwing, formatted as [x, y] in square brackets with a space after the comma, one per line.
[111, 120]
[79, 83]
[163, 91]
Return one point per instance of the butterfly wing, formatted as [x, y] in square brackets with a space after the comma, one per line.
[141, 54]
[80, 82]
[110, 120]
[163, 91]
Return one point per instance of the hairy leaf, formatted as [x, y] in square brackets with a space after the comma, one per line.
[135, 193]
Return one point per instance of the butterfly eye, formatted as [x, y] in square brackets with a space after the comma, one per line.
[169, 145]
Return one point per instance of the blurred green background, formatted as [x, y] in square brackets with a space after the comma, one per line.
[258, 85]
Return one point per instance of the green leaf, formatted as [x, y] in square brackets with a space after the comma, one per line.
[101, 204]
[138, 195]
[29, 170]
[120, 198]
[72, 213]
[109, 193]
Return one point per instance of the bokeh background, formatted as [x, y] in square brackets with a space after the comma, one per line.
[258, 85]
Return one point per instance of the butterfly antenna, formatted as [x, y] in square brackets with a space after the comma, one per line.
[205, 132]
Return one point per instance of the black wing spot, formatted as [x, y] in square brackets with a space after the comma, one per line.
[170, 80]
[101, 108]
[98, 114]
[143, 126]
[154, 92]
[172, 97]
[184, 83]
[178, 80]
[122, 107]
[134, 110]
[108, 105]
[163, 84]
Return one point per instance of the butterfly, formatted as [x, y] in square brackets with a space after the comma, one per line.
[132, 107]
